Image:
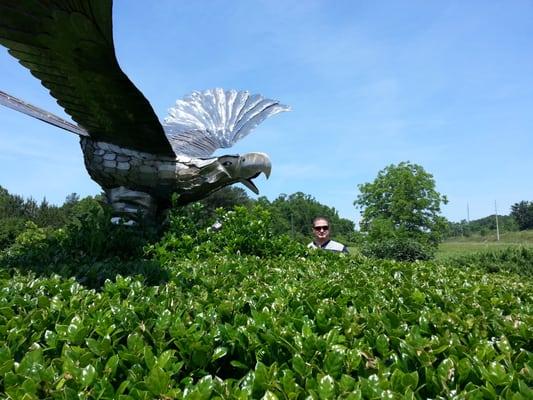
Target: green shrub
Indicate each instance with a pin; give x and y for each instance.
(34, 246)
(393, 243)
(237, 312)
(237, 328)
(517, 260)
(242, 231)
(89, 247)
(91, 234)
(400, 249)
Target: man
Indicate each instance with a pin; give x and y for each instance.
(321, 233)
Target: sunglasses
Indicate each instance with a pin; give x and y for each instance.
(321, 228)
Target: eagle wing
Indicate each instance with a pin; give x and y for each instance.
(205, 121)
(68, 46)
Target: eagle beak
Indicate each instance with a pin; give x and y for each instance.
(251, 166)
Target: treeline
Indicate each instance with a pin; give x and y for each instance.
(291, 214)
(16, 212)
(520, 218)
(483, 226)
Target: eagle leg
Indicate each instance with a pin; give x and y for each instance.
(130, 204)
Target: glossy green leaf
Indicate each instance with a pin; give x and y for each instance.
(269, 396)
(157, 381)
(135, 343)
(31, 365)
(164, 358)
(496, 374)
(94, 346)
(87, 375)
(382, 344)
(326, 387)
(334, 363)
(149, 357)
(219, 352)
(202, 390)
(111, 365)
(238, 364)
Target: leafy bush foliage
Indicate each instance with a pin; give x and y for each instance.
(89, 234)
(243, 327)
(241, 231)
(15, 211)
(399, 248)
(93, 249)
(89, 247)
(512, 259)
(241, 312)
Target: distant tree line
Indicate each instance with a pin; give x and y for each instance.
(520, 218)
(16, 212)
(291, 214)
(483, 226)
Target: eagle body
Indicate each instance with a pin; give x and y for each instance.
(139, 161)
(129, 175)
(113, 166)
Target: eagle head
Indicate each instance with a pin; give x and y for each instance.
(227, 170)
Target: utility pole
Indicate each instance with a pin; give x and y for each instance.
(467, 218)
(497, 227)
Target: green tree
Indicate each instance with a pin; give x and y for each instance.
(11, 205)
(400, 213)
(294, 213)
(523, 214)
(12, 217)
(15, 211)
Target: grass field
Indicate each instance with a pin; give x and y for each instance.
(476, 243)
(458, 246)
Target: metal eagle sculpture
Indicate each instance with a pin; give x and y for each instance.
(138, 161)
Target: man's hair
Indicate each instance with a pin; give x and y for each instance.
(320, 218)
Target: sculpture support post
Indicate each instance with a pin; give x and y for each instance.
(129, 203)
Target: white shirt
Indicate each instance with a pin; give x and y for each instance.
(329, 245)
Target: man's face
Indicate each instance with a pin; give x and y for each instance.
(321, 230)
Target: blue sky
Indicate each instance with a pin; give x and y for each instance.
(447, 85)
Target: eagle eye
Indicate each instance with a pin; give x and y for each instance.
(226, 163)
